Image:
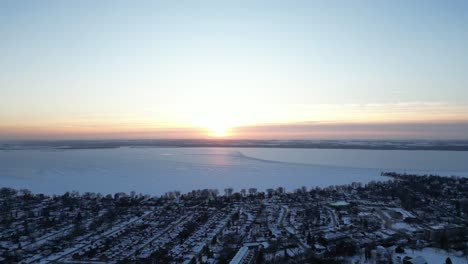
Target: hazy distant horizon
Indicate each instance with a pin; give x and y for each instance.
(451, 130)
(410, 145)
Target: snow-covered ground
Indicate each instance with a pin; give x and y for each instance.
(432, 255)
(403, 212)
(158, 170)
(403, 226)
(340, 203)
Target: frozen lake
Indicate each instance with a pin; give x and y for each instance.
(158, 170)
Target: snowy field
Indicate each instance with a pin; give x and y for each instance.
(158, 170)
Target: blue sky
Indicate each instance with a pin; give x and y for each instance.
(89, 67)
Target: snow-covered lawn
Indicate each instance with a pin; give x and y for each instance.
(340, 203)
(405, 213)
(433, 255)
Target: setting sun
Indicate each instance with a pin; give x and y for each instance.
(217, 125)
(219, 130)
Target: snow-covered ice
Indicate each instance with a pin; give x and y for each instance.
(158, 170)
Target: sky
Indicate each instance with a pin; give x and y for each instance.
(234, 69)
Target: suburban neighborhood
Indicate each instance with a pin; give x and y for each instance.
(407, 219)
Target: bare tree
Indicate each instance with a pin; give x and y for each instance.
(243, 191)
(228, 191)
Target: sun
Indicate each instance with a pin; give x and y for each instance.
(219, 130)
(216, 126)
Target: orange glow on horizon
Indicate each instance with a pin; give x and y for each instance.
(221, 129)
